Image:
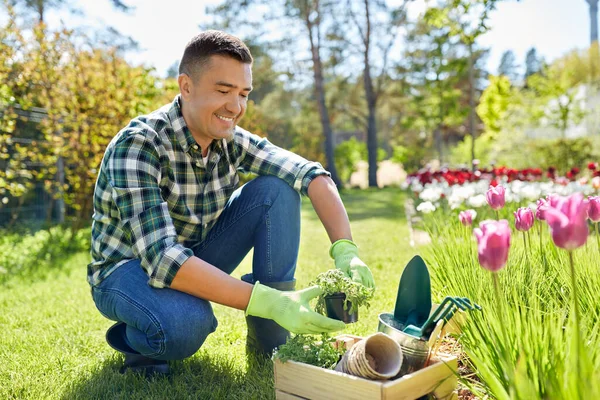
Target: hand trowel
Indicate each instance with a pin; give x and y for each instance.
(413, 302)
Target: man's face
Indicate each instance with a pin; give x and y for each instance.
(216, 100)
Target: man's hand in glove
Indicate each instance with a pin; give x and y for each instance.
(291, 309)
(345, 254)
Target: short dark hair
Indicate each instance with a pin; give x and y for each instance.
(209, 43)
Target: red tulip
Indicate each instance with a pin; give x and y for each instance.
(466, 217)
(567, 218)
(495, 197)
(493, 240)
(594, 208)
(524, 219)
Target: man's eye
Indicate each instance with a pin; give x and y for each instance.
(222, 91)
(244, 96)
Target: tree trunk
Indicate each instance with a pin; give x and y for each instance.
(437, 136)
(371, 105)
(593, 20)
(320, 97)
(40, 11)
(472, 104)
(593, 41)
(60, 202)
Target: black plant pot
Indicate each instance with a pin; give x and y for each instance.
(334, 304)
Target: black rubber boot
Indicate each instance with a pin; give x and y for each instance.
(264, 335)
(134, 361)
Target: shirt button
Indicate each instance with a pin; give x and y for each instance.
(195, 147)
(197, 163)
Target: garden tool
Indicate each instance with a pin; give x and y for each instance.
(413, 302)
(436, 334)
(445, 311)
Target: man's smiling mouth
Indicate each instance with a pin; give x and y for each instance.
(225, 118)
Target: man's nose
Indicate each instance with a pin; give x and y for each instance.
(234, 105)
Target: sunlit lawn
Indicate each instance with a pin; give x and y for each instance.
(52, 340)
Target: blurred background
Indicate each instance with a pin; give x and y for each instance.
(373, 89)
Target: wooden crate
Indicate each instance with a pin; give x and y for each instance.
(294, 380)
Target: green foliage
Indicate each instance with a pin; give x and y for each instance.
(563, 154)
(347, 155)
(23, 253)
(433, 70)
(494, 103)
(466, 18)
(335, 281)
(89, 94)
(308, 349)
(554, 97)
(461, 153)
(410, 158)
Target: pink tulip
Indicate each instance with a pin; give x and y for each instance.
(594, 208)
(567, 218)
(542, 204)
(495, 197)
(466, 217)
(524, 219)
(552, 199)
(493, 239)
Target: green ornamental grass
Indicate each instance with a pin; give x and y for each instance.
(528, 342)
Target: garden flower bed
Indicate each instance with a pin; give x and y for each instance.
(537, 241)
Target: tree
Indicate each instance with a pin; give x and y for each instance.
(40, 7)
(468, 19)
(508, 66)
(593, 4)
(310, 17)
(533, 64)
(376, 28)
(88, 96)
(173, 71)
(433, 70)
(555, 98)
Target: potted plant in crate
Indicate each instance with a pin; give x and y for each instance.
(321, 352)
(341, 296)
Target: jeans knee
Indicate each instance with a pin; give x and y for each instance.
(280, 190)
(184, 337)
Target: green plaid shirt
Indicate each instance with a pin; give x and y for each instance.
(155, 198)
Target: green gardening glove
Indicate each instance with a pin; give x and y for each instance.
(291, 309)
(345, 254)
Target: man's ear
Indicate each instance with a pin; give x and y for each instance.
(185, 85)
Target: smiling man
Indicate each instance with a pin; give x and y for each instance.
(170, 222)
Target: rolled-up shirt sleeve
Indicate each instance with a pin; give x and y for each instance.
(261, 157)
(134, 174)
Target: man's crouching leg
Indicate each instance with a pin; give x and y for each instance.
(154, 325)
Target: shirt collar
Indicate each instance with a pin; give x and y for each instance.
(182, 133)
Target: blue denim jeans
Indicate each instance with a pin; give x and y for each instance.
(166, 324)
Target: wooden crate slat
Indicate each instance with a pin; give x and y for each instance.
(439, 378)
(279, 395)
(293, 377)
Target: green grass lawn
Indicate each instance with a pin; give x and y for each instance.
(52, 342)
